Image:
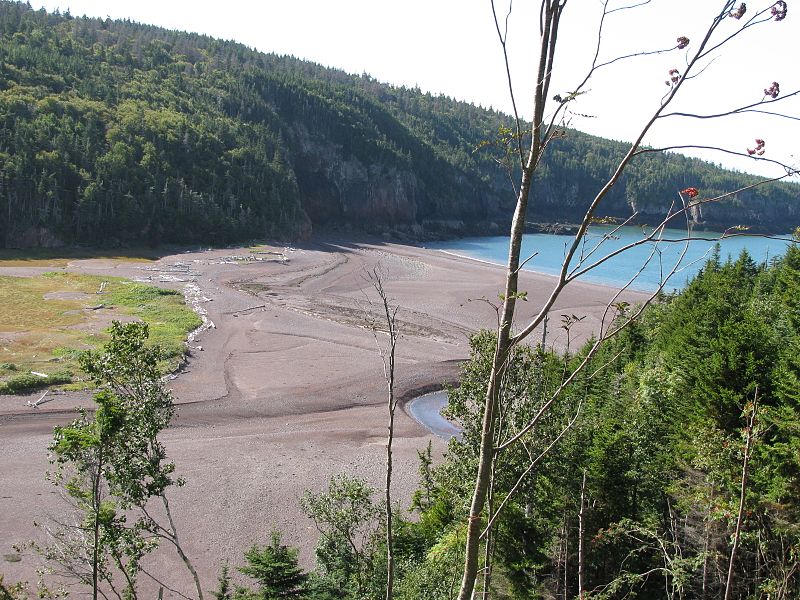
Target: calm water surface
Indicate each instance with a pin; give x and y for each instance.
(550, 250)
(427, 410)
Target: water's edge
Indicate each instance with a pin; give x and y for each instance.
(643, 267)
(427, 411)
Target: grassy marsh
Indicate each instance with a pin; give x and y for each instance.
(45, 321)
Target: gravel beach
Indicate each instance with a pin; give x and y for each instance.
(282, 389)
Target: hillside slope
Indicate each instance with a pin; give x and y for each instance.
(120, 133)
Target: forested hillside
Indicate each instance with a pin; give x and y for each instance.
(119, 133)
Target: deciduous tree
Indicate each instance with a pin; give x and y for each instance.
(112, 466)
(524, 147)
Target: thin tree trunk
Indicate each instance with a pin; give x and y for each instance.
(179, 549)
(130, 594)
(499, 365)
(392, 405)
(551, 15)
(96, 526)
(389, 540)
(707, 535)
(489, 549)
(566, 557)
(388, 357)
(581, 549)
(740, 516)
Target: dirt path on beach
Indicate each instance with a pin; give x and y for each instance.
(283, 389)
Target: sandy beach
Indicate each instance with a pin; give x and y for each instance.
(285, 390)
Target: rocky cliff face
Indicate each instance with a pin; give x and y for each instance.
(344, 191)
(336, 189)
(337, 192)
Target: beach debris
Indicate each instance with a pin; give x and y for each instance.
(43, 375)
(41, 400)
(254, 256)
(179, 272)
(195, 298)
(236, 313)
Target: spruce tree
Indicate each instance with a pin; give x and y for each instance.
(275, 569)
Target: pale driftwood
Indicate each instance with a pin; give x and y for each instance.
(41, 400)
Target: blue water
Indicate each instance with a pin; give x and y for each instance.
(618, 271)
(427, 410)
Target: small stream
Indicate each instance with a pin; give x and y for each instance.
(427, 411)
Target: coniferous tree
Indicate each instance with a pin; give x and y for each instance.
(275, 569)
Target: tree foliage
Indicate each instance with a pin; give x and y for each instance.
(661, 437)
(275, 568)
(115, 132)
(112, 465)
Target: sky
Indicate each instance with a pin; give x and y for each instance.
(451, 47)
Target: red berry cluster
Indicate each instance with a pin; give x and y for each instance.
(773, 90)
(683, 41)
(779, 10)
(691, 192)
(674, 77)
(739, 12)
(759, 149)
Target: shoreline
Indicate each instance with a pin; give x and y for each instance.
(286, 391)
(637, 267)
(603, 284)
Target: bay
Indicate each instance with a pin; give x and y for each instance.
(548, 251)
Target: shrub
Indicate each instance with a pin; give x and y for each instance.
(28, 382)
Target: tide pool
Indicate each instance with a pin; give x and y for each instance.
(427, 410)
(548, 252)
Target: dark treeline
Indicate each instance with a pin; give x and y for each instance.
(115, 132)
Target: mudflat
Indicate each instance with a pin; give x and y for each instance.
(284, 387)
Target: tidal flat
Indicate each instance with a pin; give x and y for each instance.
(283, 388)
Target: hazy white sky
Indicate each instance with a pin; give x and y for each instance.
(451, 47)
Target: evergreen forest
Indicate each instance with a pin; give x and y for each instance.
(117, 133)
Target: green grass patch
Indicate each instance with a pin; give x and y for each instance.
(264, 249)
(163, 310)
(46, 321)
(28, 382)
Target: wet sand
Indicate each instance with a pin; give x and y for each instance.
(285, 390)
